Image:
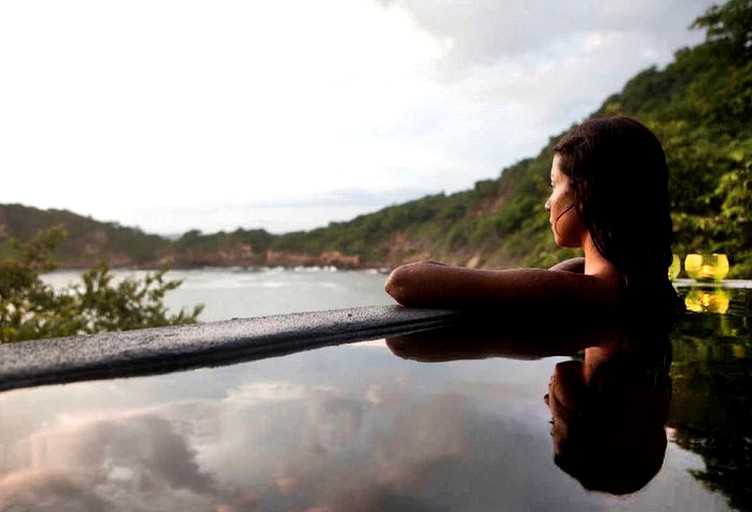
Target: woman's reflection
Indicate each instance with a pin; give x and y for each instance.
(608, 416)
(609, 404)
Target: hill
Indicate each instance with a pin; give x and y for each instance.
(88, 240)
(700, 106)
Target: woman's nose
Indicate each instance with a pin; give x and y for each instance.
(547, 206)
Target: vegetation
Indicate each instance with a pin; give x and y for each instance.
(701, 108)
(87, 241)
(32, 309)
(700, 105)
(711, 406)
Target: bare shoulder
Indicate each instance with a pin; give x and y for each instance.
(571, 265)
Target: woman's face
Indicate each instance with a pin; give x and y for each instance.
(564, 399)
(568, 228)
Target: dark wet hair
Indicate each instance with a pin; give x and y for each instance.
(617, 440)
(618, 171)
(602, 465)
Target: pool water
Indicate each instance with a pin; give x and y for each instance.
(375, 426)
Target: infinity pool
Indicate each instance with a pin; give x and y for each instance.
(358, 427)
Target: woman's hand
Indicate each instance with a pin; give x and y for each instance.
(408, 283)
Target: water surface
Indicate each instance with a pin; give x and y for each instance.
(355, 427)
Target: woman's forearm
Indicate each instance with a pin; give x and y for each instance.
(431, 285)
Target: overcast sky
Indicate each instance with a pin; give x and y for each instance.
(178, 114)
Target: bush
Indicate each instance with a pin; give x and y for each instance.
(32, 309)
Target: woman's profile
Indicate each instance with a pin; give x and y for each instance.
(609, 197)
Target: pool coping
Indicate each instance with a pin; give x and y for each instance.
(167, 349)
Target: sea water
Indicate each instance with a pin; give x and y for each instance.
(229, 293)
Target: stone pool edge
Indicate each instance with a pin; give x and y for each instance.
(167, 349)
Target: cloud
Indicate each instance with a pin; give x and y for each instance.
(123, 109)
(50, 491)
(134, 462)
(146, 444)
(321, 448)
(486, 32)
(521, 71)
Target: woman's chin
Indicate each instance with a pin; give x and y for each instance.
(565, 244)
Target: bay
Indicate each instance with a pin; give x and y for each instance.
(246, 293)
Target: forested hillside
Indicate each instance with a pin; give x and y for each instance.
(87, 241)
(700, 106)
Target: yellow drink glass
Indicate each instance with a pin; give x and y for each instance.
(706, 267)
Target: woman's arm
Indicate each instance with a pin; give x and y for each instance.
(432, 285)
(571, 265)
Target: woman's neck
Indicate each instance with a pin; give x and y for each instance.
(598, 266)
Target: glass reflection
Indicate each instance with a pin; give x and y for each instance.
(707, 300)
(707, 267)
(609, 405)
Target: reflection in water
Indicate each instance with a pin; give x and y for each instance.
(608, 409)
(354, 428)
(608, 420)
(264, 446)
(707, 300)
(134, 461)
(711, 410)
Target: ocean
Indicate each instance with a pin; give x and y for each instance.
(245, 293)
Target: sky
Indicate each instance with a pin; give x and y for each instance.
(170, 115)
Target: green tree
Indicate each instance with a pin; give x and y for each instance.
(729, 24)
(32, 309)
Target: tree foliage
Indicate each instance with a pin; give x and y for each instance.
(32, 309)
(729, 24)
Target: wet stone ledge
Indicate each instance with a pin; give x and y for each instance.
(168, 349)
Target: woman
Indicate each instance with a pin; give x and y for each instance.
(609, 197)
(608, 419)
